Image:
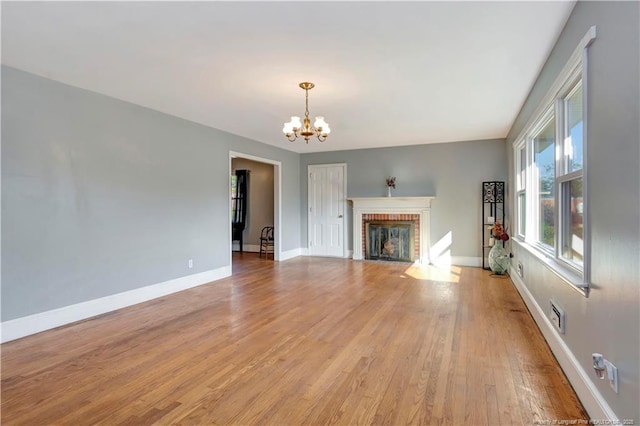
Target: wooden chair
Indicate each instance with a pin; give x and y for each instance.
(266, 241)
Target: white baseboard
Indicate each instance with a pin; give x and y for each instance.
(444, 261)
(591, 398)
(466, 261)
(250, 248)
(25, 326)
(290, 254)
(305, 252)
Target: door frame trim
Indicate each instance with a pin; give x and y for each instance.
(345, 222)
(277, 200)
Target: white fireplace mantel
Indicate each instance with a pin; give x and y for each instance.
(392, 205)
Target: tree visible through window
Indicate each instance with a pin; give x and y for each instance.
(544, 163)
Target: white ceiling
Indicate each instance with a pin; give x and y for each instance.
(386, 73)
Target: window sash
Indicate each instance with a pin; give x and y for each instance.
(521, 164)
(543, 143)
(521, 211)
(568, 140)
(571, 233)
(520, 161)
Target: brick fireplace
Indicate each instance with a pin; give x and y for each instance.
(414, 210)
(401, 232)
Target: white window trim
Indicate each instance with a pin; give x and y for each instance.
(518, 145)
(575, 68)
(562, 175)
(533, 182)
(520, 150)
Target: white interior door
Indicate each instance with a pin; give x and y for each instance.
(327, 198)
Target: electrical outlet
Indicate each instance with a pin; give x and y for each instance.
(605, 370)
(556, 315)
(190, 263)
(520, 270)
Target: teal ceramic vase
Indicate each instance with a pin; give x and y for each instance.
(498, 259)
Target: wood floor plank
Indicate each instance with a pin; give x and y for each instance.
(306, 341)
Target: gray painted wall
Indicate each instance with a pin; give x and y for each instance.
(608, 321)
(100, 196)
(452, 172)
(260, 211)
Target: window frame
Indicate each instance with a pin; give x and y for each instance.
(534, 237)
(563, 175)
(521, 161)
(554, 107)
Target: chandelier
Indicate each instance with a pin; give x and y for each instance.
(295, 128)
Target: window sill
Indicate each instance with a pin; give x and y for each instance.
(562, 271)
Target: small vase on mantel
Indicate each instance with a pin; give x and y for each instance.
(391, 183)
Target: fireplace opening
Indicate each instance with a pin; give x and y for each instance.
(390, 240)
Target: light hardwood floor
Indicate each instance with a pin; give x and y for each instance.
(306, 341)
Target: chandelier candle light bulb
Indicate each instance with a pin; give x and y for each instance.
(295, 128)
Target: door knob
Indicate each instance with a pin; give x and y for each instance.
(339, 215)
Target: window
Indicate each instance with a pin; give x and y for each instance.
(544, 164)
(570, 176)
(550, 161)
(521, 190)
